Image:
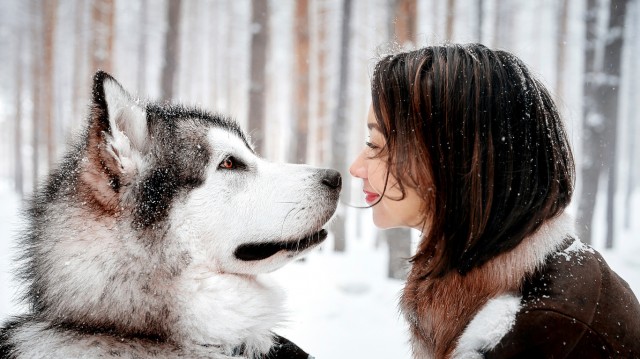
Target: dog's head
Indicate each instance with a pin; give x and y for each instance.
(190, 180)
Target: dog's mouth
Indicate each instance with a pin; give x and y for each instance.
(260, 251)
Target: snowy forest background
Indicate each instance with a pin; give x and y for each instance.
(295, 74)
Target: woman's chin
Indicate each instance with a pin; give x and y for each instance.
(385, 223)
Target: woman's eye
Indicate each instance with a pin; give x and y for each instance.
(370, 145)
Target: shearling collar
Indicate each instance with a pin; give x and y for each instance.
(496, 318)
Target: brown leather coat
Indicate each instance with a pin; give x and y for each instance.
(574, 307)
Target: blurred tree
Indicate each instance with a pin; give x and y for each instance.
(171, 49)
(404, 21)
(322, 75)
(480, 23)
(102, 16)
(257, 85)
(48, 34)
(339, 127)
(451, 17)
(80, 79)
(503, 29)
(301, 82)
(592, 124)
(142, 46)
(399, 239)
(36, 71)
(563, 19)
(633, 173)
(601, 92)
(17, 134)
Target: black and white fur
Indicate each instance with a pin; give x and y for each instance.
(150, 238)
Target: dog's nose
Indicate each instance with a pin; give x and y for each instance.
(332, 179)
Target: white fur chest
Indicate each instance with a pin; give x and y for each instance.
(227, 310)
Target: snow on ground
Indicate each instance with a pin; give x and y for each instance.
(340, 305)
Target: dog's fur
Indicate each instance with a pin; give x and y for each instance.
(149, 238)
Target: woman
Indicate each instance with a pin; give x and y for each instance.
(468, 147)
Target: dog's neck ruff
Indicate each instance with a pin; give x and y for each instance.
(235, 352)
(448, 316)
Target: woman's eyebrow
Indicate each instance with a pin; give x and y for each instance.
(373, 126)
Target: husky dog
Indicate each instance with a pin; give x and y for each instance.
(150, 238)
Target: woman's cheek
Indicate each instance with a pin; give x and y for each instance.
(377, 177)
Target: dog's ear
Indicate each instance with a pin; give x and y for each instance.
(118, 127)
(116, 143)
(117, 112)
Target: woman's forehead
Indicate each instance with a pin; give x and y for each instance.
(372, 124)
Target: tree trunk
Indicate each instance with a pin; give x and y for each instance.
(563, 19)
(79, 74)
(503, 23)
(592, 127)
(102, 16)
(301, 81)
(405, 22)
(18, 176)
(601, 90)
(340, 127)
(322, 49)
(257, 83)
(610, 93)
(451, 16)
(436, 16)
(49, 30)
(192, 51)
(171, 50)
(36, 70)
(399, 239)
(633, 177)
(399, 245)
(142, 47)
(480, 20)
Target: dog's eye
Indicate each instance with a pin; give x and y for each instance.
(228, 163)
(232, 163)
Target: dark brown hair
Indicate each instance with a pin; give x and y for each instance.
(481, 140)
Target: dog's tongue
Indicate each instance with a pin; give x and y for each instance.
(260, 251)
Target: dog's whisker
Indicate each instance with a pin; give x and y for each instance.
(285, 220)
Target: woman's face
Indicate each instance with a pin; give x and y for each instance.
(388, 211)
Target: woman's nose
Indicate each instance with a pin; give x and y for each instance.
(357, 168)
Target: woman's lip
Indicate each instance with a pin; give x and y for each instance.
(370, 196)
